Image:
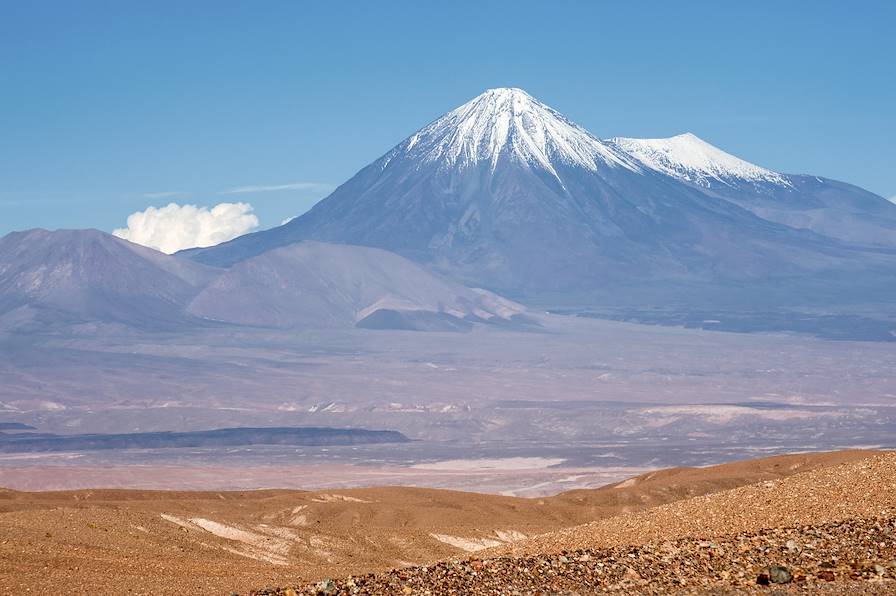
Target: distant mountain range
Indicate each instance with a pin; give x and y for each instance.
(506, 193)
(86, 276)
(835, 209)
(316, 284)
(502, 193)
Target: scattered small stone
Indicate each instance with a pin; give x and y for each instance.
(857, 550)
(826, 575)
(778, 574)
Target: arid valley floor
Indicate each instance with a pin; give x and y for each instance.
(520, 436)
(572, 403)
(828, 518)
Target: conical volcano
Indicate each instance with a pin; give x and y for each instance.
(506, 193)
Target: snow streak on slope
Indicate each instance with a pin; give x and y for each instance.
(688, 157)
(513, 123)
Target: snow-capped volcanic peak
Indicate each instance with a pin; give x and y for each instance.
(508, 122)
(688, 157)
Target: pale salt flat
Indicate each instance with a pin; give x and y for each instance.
(507, 463)
(723, 414)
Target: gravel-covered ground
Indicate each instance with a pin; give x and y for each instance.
(147, 542)
(830, 530)
(852, 490)
(856, 556)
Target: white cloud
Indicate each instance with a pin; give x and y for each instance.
(893, 199)
(176, 227)
(318, 186)
(287, 220)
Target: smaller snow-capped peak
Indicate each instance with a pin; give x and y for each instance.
(688, 157)
(511, 122)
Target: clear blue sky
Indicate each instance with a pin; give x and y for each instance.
(106, 106)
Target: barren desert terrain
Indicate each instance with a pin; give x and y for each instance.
(165, 542)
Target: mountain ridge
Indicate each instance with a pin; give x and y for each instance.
(315, 284)
(73, 277)
(506, 193)
(78, 275)
(835, 209)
